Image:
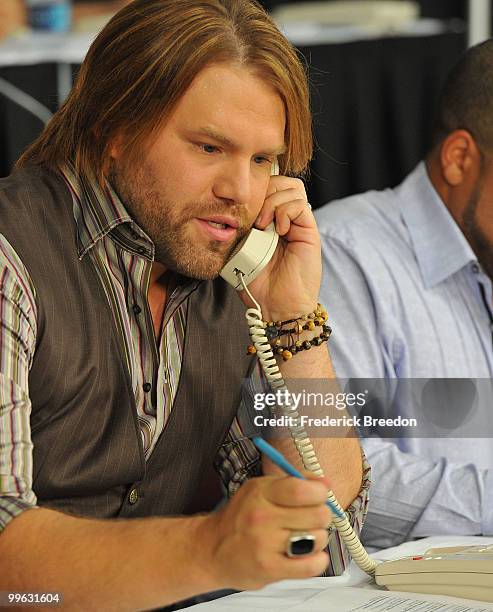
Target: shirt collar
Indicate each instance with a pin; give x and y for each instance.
(440, 246)
(98, 211)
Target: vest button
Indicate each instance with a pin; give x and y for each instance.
(133, 497)
(147, 387)
(137, 309)
(142, 250)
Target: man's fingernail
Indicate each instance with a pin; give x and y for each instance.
(258, 220)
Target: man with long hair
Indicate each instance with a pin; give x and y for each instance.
(122, 353)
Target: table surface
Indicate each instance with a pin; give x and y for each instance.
(294, 594)
(45, 48)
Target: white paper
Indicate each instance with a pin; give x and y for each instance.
(352, 599)
(342, 599)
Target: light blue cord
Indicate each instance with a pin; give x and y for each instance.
(280, 460)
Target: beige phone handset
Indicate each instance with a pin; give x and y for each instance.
(253, 254)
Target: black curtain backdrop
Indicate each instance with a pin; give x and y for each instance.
(373, 105)
(18, 128)
(439, 9)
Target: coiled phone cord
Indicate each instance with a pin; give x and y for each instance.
(300, 437)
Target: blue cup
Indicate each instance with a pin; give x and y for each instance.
(50, 16)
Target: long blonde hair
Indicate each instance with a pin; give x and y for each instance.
(143, 62)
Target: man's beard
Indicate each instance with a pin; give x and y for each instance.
(169, 227)
(473, 231)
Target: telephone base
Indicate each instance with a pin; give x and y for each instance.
(464, 571)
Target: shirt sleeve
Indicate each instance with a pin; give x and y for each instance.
(17, 344)
(355, 313)
(238, 460)
(417, 497)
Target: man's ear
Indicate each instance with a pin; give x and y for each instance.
(116, 146)
(459, 156)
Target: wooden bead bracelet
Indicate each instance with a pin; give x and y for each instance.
(274, 331)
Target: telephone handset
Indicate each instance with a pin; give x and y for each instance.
(253, 254)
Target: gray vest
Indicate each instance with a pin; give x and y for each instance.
(88, 454)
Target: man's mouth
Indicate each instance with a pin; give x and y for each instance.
(219, 225)
(222, 229)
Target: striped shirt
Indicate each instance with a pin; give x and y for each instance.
(122, 254)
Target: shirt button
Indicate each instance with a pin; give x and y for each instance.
(147, 387)
(475, 268)
(133, 497)
(137, 309)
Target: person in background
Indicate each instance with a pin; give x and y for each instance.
(407, 280)
(121, 351)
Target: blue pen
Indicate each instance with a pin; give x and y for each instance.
(280, 460)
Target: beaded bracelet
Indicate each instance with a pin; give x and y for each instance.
(297, 346)
(319, 314)
(297, 329)
(301, 345)
(274, 330)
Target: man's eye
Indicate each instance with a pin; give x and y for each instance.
(208, 148)
(262, 160)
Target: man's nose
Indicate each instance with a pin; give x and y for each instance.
(234, 183)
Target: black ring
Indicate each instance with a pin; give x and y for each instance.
(300, 545)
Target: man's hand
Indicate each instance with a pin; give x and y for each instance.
(290, 283)
(247, 539)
